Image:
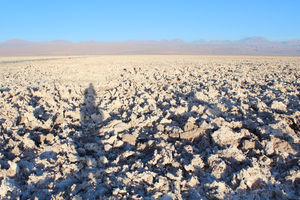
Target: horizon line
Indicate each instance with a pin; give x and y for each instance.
(156, 40)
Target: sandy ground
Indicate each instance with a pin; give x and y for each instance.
(149, 127)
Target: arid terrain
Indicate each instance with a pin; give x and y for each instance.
(150, 127)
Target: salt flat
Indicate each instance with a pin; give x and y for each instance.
(150, 127)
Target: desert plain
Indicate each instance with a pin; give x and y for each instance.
(150, 127)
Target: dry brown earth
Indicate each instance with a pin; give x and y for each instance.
(149, 127)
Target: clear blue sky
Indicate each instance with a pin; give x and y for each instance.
(120, 20)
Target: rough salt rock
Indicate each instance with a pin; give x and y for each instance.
(28, 143)
(220, 121)
(278, 105)
(193, 182)
(225, 136)
(236, 125)
(201, 96)
(72, 158)
(217, 190)
(233, 154)
(247, 144)
(283, 130)
(219, 168)
(47, 124)
(253, 177)
(214, 111)
(129, 138)
(193, 134)
(282, 147)
(6, 185)
(118, 143)
(30, 117)
(265, 160)
(200, 109)
(147, 177)
(120, 127)
(205, 125)
(31, 121)
(189, 149)
(173, 177)
(190, 124)
(16, 151)
(59, 119)
(166, 121)
(104, 114)
(119, 193)
(181, 110)
(75, 115)
(13, 169)
(196, 162)
(116, 104)
(194, 109)
(162, 184)
(111, 140)
(49, 138)
(107, 147)
(22, 120)
(160, 127)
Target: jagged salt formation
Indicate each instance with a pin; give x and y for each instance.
(171, 129)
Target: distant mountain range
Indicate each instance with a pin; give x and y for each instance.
(247, 46)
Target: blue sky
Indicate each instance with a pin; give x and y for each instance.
(121, 20)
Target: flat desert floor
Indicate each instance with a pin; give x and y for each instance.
(150, 127)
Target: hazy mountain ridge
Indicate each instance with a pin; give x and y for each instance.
(246, 46)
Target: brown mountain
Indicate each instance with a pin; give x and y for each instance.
(247, 46)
